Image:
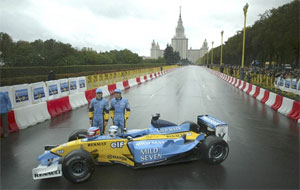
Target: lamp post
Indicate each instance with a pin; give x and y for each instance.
(221, 57)
(244, 36)
(212, 52)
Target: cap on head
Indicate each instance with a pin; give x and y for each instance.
(99, 90)
(117, 91)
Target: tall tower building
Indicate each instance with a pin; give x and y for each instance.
(180, 44)
(179, 41)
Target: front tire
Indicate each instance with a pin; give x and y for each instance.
(78, 166)
(78, 134)
(215, 149)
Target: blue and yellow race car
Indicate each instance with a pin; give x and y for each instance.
(162, 143)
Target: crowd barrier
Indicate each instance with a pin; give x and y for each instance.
(77, 100)
(37, 102)
(59, 106)
(12, 124)
(283, 105)
(31, 114)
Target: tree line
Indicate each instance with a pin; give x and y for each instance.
(55, 53)
(272, 38)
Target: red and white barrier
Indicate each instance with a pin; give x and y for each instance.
(278, 103)
(26, 114)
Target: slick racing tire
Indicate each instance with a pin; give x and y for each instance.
(78, 166)
(215, 150)
(193, 126)
(78, 134)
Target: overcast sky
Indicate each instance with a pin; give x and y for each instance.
(118, 24)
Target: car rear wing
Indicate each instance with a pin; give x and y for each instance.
(213, 126)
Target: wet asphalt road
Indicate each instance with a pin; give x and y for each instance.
(264, 146)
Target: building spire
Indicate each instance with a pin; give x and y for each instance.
(179, 11)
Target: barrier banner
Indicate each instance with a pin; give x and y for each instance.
(53, 89)
(73, 85)
(39, 92)
(82, 84)
(22, 95)
(9, 91)
(64, 87)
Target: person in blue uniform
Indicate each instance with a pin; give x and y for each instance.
(99, 111)
(5, 107)
(119, 110)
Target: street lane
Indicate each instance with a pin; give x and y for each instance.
(264, 146)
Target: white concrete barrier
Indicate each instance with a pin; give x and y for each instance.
(132, 82)
(271, 100)
(21, 95)
(77, 100)
(9, 91)
(53, 89)
(142, 79)
(253, 90)
(120, 85)
(286, 106)
(261, 94)
(31, 114)
(64, 87)
(148, 77)
(39, 92)
(246, 87)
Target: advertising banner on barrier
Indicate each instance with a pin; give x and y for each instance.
(39, 92)
(21, 95)
(53, 89)
(9, 91)
(73, 85)
(82, 84)
(64, 87)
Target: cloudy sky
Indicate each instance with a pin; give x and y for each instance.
(118, 24)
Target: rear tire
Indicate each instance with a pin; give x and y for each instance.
(78, 134)
(78, 166)
(215, 150)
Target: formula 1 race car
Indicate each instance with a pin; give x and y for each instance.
(160, 144)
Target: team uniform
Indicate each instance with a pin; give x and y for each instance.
(99, 112)
(119, 112)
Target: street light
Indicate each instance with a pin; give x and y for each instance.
(212, 52)
(221, 57)
(244, 37)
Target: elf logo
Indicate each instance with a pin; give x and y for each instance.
(119, 144)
